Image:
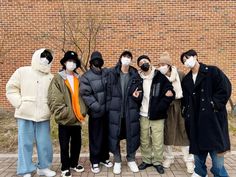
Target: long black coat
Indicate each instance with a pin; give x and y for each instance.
(132, 105)
(204, 110)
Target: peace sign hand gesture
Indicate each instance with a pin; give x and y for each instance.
(136, 92)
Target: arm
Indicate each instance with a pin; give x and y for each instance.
(13, 89)
(221, 90)
(167, 95)
(56, 101)
(87, 95)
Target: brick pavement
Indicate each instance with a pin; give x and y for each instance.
(8, 168)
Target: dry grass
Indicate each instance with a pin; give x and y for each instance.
(8, 134)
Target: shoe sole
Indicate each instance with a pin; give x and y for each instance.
(79, 171)
(66, 176)
(116, 173)
(41, 174)
(106, 165)
(95, 172)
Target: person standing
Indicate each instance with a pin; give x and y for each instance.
(157, 96)
(27, 91)
(174, 130)
(93, 92)
(69, 111)
(206, 90)
(124, 97)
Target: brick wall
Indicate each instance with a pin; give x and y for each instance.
(142, 26)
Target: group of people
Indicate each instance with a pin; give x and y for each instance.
(154, 108)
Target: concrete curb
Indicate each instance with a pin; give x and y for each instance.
(87, 155)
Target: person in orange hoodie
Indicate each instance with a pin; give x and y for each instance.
(69, 111)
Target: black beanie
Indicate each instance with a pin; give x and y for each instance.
(143, 57)
(96, 55)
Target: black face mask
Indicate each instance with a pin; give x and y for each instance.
(47, 54)
(145, 66)
(97, 63)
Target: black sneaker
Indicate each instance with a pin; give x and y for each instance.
(65, 173)
(107, 163)
(78, 168)
(159, 168)
(144, 165)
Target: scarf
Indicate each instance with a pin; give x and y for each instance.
(175, 80)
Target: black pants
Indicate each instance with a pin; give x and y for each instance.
(98, 139)
(117, 154)
(69, 136)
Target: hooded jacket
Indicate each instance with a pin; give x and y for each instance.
(27, 90)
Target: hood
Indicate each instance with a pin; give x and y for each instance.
(35, 63)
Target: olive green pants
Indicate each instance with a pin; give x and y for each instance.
(152, 140)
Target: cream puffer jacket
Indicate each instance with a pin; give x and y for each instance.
(27, 90)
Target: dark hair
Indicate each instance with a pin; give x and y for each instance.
(191, 53)
(126, 53)
(47, 54)
(170, 68)
(188, 54)
(182, 57)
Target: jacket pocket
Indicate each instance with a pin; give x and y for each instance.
(27, 108)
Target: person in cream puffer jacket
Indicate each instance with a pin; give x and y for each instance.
(27, 91)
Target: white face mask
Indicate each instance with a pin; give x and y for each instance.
(44, 61)
(125, 61)
(70, 65)
(163, 69)
(190, 62)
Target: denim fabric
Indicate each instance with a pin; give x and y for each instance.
(217, 169)
(28, 133)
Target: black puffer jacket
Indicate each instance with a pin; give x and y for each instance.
(93, 91)
(131, 109)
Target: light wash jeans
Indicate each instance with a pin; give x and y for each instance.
(28, 133)
(217, 169)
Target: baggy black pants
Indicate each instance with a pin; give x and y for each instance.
(98, 139)
(69, 136)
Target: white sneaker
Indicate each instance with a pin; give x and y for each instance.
(95, 168)
(107, 163)
(117, 168)
(79, 168)
(46, 172)
(66, 173)
(196, 175)
(190, 167)
(27, 175)
(133, 166)
(167, 163)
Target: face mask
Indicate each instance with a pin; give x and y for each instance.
(163, 69)
(97, 63)
(190, 62)
(44, 61)
(125, 61)
(145, 66)
(70, 65)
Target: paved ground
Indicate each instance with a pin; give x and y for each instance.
(8, 168)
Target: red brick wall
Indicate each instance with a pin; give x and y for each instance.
(142, 26)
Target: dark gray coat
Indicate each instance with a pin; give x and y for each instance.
(204, 110)
(131, 107)
(93, 91)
